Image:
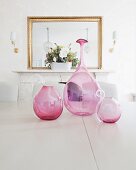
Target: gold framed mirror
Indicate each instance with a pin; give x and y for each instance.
(43, 32)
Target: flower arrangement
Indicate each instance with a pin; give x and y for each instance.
(61, 54)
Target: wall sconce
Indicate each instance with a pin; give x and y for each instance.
(13, 41)
(114, 38)
(47, 45)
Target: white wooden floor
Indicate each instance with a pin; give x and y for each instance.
(68, 143)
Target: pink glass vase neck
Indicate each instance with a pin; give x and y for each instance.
(81, 42)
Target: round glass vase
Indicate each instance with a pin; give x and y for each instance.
(47, 104)
(109, 110)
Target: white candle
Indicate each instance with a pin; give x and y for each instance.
(114, 35)
(13, 36)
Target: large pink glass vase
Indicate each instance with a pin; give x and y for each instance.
(80, 91)
(109, 110)
(47, 103)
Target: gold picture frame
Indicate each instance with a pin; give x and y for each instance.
(35, 19)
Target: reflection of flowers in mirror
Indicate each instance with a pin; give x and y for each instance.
(61, 54)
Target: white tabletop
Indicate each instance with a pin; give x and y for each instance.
(68, 143)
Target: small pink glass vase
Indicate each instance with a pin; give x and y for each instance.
(109, 110)
(80, 91)
(47, 103)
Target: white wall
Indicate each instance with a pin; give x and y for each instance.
(118, 15)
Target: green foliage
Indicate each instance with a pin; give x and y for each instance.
(71, 56)
(61, 55)
(75, 61)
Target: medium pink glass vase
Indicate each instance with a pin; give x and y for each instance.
(47, 103)
(109, 110)
(80, 91)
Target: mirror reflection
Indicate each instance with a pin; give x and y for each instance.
(45, 36)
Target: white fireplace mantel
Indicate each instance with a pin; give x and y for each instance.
(28, 78)
(99, 74)
(60, 71)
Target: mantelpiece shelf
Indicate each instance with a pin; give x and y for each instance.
(62, 71)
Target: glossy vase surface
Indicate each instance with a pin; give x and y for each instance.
(109, 110)
(47, 103)
(80, 91)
